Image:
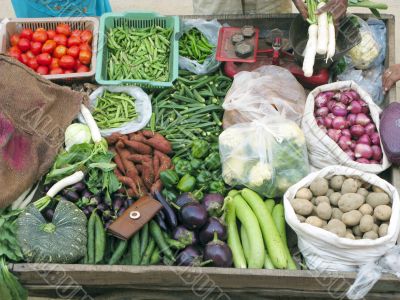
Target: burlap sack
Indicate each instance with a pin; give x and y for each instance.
(34, 114)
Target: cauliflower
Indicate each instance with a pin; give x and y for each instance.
(259, 173)
(231, 138)
(364, 54)
(233, 169)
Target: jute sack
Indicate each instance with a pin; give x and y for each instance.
(34, 114)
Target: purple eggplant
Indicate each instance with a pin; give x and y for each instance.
(129, 202)
(170, 215)
(184, 235)
(213, 204)
(48, 214)
(118, 203)
(101, 207)
(160, 221)
(86, 194)
(121, 211)
(71, 195)
(218, 252)
(185, 198)
(79, 187)
(207, 231)
(193, 215)
(86, 211)
(190, 256)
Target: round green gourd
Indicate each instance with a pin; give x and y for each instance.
(61, 241)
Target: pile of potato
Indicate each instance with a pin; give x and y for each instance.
(345, 206)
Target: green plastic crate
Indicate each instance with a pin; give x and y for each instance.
(137, 20)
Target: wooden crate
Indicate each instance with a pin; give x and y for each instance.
(164, 282)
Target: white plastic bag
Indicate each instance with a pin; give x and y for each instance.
(210, 30)
(322, 150)
(143, 108)
(266, 91)
(266, 155)
(324, 250)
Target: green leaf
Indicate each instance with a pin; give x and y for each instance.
(375, 12)
(106, 167)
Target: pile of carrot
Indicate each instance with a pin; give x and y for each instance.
(140, 158)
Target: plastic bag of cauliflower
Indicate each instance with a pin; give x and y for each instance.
(267, 155)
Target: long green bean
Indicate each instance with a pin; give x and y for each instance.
(194, 45)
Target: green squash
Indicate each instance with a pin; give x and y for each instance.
(61, 241)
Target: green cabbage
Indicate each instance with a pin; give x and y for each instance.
(77, 134)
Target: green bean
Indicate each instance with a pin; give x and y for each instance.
(159, 239)
(135, 249)
(100, 239)
(119, 252)
(155, 257)
(91, 238)
(149, 251)
(144, 238)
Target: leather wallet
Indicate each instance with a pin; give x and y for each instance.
(133, 219)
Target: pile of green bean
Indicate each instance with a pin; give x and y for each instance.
(114, 109)
(139, 53)
(191, 110)
(194, 45)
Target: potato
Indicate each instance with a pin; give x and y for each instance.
(302, 206)
(324, 211)
(315, 221)
(329, 192)
(375, 199)
(366, 185)
(351, 218)
(366, 223)
(350, 201)
(375, 228)
(337, 227)
(349, 235)
(336, 182)
(350, 185)
(358, 237)
(324, 223)
(357, 231)
(348, 230)
(372, 235)
(366, 209)
(363, 191)
(301, 218)
(383, 212)
(359, 182)
(376, 189)
(304, 193)
(336, 213)
(321, 199)
(334, 198)
(319, 187)
(383, 229)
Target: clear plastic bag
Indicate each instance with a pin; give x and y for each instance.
(143, 108)
(261, 93)
(266, 155)
(210, 30)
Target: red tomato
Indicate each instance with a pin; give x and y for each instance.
(63, 29)
(26, 33)
(51, 34)
(78, 64)
(85, 46)
(67, 62)
(14, 39)
(60, 39)
(30, 54)
(33, 64)
(42, 70)
(54, 63)
(85, 56)
(60, 51)
(24, 44)
(82, 69)
(74, 41)
(87, 36)
(40, 29)
(15, 52)
(55, 71)
(36, 48)
(73, 51)
(24, 58)
(39, 36)
(68, 71)
(49, 46)
(76, 32)
(44, 59)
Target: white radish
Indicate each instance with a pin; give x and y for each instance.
(20, 199)
(94, 129)
(310, 51)
(65, 182)
(332, 40)
(322, 44)
(29, 198)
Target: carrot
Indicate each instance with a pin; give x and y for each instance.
(165, 161)
(148, 133)
(130, 183)
(138, 158)
(156, 166)
(113, 139)
(156, 187)
(117, 172)
(158, 142)
(137, 136)
(148, 173)
(138, 147)
(140, 169)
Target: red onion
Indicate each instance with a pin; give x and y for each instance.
(355, 107)
(357, 130)
(377, 152)
(319, 120)
(331, 104)
(328, 122)
(365, 109)
(338, 123)
(374, 162)
(334, 134)
(345, 98)
(362, 119)
(323, 128)
(363, 151)
(375, 139)
(370, 128)
(322, 112)
(363, 161)
(321, 100)
(346, 132)
(353, 145)
(364, 139)
(350, 153)
(344, 142)
(339, 111)
(351, 118)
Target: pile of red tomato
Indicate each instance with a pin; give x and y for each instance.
(59, 51)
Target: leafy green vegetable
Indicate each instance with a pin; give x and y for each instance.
(77, 134)
(10, 288)
(373, 6)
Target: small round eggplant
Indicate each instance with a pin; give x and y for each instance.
(86, 211)
(193, 215)
(184, 235)
(219, 253)
(79, 187)
(71, 195)
(129, 202)
(190, 256)
(118, 203)
(48, 214)
(86, 194)
(101, 207)
(121, 211)
(207, 231)
(213, 204)
(185, 198)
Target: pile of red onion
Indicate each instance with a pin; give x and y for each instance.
(345, 117)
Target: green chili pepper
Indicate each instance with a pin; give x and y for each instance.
(195, 163)
(169, 178)
(217, 187)
(200, 148)
(169, 195)
(198, 194)
(212, 161)
(187, 183)
(203, 177)
(183, 167)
